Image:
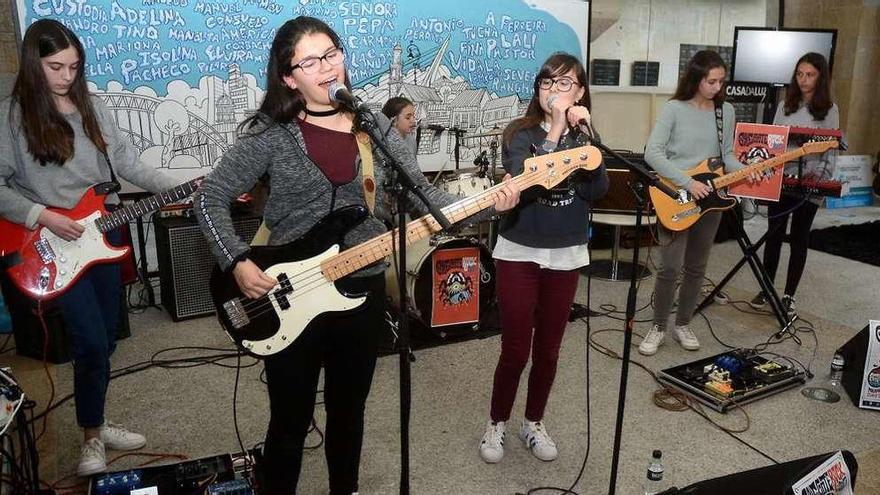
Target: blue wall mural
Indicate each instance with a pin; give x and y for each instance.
(181, 74)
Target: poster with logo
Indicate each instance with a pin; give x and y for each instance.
(830, 477)
(755, 143)
(870, 398)
(455, 289)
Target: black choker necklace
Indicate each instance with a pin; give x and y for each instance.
(323, 113)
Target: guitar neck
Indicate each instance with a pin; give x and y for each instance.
(743, 173)
(144, 206)
(382, 246)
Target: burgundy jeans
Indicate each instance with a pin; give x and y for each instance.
(534, 304)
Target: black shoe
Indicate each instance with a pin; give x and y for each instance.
(759, 302)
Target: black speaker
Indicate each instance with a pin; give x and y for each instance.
(855, 354)
(30, 338)
(185, 263)
(771, 480)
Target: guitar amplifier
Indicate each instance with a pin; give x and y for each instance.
(620, 197)
(185, 263)
(30, 337)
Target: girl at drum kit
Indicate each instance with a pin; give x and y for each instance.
(541, 246)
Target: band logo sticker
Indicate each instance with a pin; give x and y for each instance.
(455, 292)
(755, 143)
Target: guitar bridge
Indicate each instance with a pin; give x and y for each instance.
(44, 249)
(236, 313)
(687, 213)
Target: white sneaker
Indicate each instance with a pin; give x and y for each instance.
(788, 306)
(492, 445)
(686, 338)
(538, 441)
(92, 458)
(117, 437)
(652, 341)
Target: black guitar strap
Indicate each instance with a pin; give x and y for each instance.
(719, 124)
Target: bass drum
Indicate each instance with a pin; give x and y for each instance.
(419, 277)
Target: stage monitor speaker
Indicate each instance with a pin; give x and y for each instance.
(855, 354)
(185, 263)
(770, 480)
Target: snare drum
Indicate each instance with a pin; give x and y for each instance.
(466, 185)
(450, 287)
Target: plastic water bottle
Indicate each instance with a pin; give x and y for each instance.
(654, 479)
(837, 363)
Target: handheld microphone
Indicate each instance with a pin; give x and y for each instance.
(551, 100)
(434, 127)
(340, 94)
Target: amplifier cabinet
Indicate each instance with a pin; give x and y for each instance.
(185, 263)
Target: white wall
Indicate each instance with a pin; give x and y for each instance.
(654, 29)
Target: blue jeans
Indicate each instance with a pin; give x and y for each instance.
(90, 309)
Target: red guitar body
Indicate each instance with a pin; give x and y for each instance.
(42, 265)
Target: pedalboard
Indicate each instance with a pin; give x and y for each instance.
(732, 378)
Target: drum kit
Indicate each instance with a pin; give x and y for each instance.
(450, 276)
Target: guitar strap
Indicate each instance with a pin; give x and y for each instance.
(365, 147)
(116, 186)
(719, 124)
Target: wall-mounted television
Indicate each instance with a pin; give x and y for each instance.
(768, 55)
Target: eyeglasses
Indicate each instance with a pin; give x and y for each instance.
(563, 84)
(311, 65)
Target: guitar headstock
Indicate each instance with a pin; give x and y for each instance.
(820, 146)
(556, 166)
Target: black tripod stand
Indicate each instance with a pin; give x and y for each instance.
(644, 178)
(750, 256)
(401, 185)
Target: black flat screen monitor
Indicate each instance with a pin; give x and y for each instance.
(768, 55)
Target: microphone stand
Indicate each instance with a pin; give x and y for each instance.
(644, 178)
(402, 182)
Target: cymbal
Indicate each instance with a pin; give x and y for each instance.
(485, 134)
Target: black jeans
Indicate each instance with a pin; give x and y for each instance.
(346, 345)
(801, 221)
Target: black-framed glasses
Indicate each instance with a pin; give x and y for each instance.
(311, 65)
(563, 84)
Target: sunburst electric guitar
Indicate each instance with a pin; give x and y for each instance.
(306, 269)
(681, 212)
(43, 265)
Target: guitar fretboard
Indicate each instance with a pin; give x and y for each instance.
(379, 247)
(144, 206)
(741, 174)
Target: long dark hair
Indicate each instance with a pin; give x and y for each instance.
(697, 69)
(820, 103)
(49, 135)
(557, 64)
(394, 106)
(282, 104)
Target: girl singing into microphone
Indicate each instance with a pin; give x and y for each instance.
(541, 245)
(306, 144)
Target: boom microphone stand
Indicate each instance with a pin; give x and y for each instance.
(644, 178)
(402, 183)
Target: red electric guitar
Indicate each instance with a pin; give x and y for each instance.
(43, 265)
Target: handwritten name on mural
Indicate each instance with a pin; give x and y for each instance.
(147, 41)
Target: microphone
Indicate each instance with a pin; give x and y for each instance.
(551, 100)
(434, 127)
(480, 160)
(340, 94)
